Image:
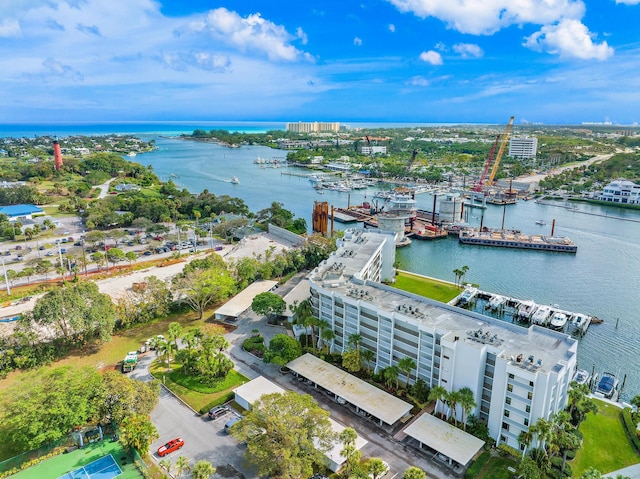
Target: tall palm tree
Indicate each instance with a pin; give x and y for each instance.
(354, 340)
(367, 356)
(203, 470)
(406, 365)
(327, 335)
(390, 376)
(453, 398)
(438, 394)
(467, 403)
(525, 439)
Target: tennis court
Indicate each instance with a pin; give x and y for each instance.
(103, 468)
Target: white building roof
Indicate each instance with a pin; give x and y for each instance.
(242, 301)
(361, 394)
(256, 388)
(299, 294)
(445, 438)
(334, 454)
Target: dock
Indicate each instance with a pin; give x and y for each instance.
(514, 310)
(515, 239)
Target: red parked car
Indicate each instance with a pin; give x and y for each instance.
(171, 446)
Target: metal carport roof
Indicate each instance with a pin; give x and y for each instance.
(444, 438)
(361, 394)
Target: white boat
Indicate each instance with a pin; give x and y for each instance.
(582, 376)
(495, 302)
(558, 320)
(235, 180)
(541, 222)
(132, 154)
(526, 309)
(579, 320)
(541, 316)
(467, 295)
(607, 386)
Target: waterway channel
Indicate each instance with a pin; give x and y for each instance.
(601, 279)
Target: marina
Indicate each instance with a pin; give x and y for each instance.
(525, 312)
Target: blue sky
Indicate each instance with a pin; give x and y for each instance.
(548, 61)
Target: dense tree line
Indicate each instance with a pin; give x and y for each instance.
(44, 406)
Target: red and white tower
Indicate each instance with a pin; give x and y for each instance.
(57, 155)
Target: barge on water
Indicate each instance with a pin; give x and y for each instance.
(509, 239)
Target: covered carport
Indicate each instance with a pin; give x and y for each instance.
(242, 301)
(250, 392)
(346, 388)
(453, 445)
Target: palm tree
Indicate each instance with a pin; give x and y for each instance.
(525, 439)
(438, 394)
(542, 431)
(367, 356)
(453, 398)
(376, 467)
(354, 340)
(203, 470)
(349, 451)
(131, 256)
(406, 365)
(166, 463)
(174, 333)
(414, 472)
(327, 335)
(467, 403)
(182, 465)
(390, 375)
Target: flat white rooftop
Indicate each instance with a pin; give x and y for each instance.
(361, 394)
(256, 388)
(242, 301)
(298, 294)
(445, 438)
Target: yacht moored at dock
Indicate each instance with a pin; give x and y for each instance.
(582, 376)
(607, 386)
(495, 302)
(541, 316)
(526, 309)
(558, 320)
(469, 293)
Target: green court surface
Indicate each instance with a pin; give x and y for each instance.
(63, 463)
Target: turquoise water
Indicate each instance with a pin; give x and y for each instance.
(602, 279)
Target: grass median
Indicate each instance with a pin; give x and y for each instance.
(428, 287)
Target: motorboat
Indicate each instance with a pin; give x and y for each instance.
(579, 320)
(526, 309)
(541, 316)
(607, 386)
(467, 295)
(541, 222)
(495, 302)
(582, 376)
(235, 180)
(558, 320)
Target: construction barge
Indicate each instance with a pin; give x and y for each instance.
(514, 239)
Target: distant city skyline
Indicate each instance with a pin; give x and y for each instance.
(413, 61)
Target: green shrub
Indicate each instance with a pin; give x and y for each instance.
(506, 450)
(630, 428)
(253, 344)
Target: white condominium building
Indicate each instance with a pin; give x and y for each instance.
(621, 191)
(517, 374)
(523, 147)
(313, 126)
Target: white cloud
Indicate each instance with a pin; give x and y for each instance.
(468, 50)
(432, 57)
(250, 33)
(302, 36)
(569, 39)
(392, 27)
(52, 67)
(357, 41)
(488, 16)
(9, 28)
(629, 2)
(418, 81)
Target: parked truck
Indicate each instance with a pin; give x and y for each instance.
(130, 361)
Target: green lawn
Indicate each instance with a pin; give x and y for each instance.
(427, 287)
(196, 395)
(491, 467)
(63, 463)
(614, 453)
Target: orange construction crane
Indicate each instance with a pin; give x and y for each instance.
(505, 138)
(491, 163)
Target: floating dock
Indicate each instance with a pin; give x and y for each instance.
(513, 239)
